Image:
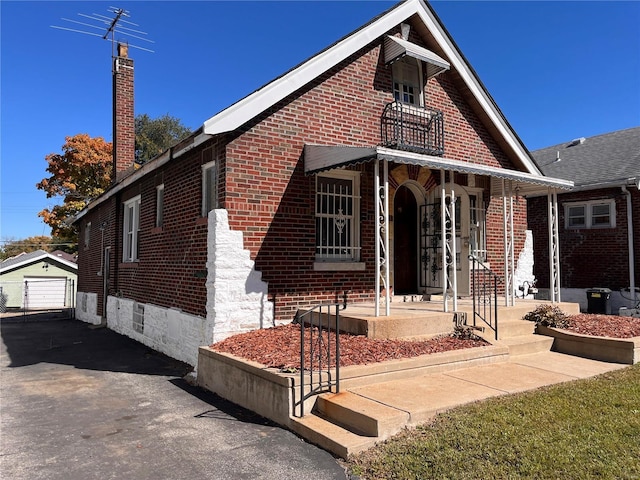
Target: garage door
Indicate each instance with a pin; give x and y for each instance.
(44, 292)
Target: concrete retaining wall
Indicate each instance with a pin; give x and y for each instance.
(274, 395)
(617, 350)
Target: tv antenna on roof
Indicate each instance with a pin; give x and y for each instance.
(110, 26)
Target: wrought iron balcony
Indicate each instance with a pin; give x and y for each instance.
(411, 128)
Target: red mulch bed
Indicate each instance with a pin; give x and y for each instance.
(604, 325)
(279, 347)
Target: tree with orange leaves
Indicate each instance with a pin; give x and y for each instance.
(79, 174)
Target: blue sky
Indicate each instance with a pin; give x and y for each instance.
(557, 70)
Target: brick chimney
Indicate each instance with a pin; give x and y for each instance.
(123, 116)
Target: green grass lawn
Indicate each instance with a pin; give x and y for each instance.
(578, 430)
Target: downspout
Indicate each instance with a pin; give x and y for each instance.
(632, 273)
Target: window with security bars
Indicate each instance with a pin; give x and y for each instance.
(477, 228)
(337, 213)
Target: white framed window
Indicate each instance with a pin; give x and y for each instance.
(477, 226)
(591, 214)
(337, 213)
(159, 205)
(209, 187)
(407, 84)
(87, 235)
(131, 230)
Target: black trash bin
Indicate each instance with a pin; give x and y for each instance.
(598, 300)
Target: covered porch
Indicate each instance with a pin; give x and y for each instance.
(451, 246)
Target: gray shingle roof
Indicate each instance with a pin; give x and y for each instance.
(22, 258)
(606, 158)
(25, 258)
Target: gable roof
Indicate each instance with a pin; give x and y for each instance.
(247, 108)
(428, 25)
(595, 162)
(24, 259)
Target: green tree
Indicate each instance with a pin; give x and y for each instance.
(13, 247)
(84, 169)
(154, 136)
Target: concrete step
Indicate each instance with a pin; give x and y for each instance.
(527, 344)
(398, 325)
(329, 436)
(361, 415)
(514, 328)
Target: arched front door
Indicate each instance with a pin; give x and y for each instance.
(405, 242)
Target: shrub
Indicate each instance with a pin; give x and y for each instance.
(465, 332)
(548, 316)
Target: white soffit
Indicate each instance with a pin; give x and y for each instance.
(395, 48)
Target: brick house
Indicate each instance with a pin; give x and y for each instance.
(360, 172)
(599, 218)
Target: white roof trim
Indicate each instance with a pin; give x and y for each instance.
(395, 48)
(476, 88)
(148, 167)
(241, 112)
(257, 102)
(30, 260)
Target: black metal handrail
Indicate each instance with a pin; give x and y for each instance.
(320, 322)
(484, 285)
(412, 128)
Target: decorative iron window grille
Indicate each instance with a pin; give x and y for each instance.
(337, 211)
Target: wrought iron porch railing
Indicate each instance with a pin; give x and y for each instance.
(484, 284)
(321, 360)
(411, 128)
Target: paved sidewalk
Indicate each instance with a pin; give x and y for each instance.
(80, 403)
(424, 396)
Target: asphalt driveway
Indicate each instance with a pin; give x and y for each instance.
(82, 403)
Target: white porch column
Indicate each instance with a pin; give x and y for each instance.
(381, 202)
(448, 234)
(507, 233)
(443, 240)
(453, 255)
(512, 247)
(554, 246)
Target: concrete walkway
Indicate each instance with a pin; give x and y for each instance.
(424, 396)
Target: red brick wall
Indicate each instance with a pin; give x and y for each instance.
(271, 200)
(268, 197)
(588, 257)
(123, 114)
